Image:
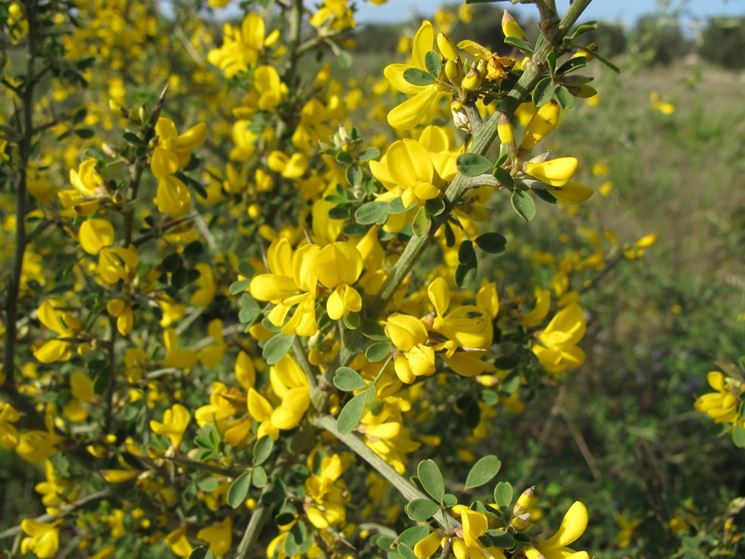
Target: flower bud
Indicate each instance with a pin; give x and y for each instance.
(504, 130)
(446, 46)
(472, 81)
(453, 71)
(510, 27)
(460, 117)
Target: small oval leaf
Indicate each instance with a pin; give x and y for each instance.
(347, 379)
(431, 479)
(238, 490)
(421, 509)
(351, 413)
(483, 471)
(473, 164)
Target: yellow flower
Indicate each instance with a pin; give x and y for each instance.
(544, 120)
(37, 446)
(468, 325)
(556, 547)
(291, 284)
(337, 266)
(8, 433)
(627, 527)
(415, 109)
(178, 542)
(95, 234)
(407, 169)
(88, 188)
(410, 336)
(175, 356)
(218, 535)
(42, 540)
(64, 324)
(555, 172)
(661, 106)
(291, 388)
(174, 424)
(325, 493)
(117, 263)
(122, 311)
(206, 288)
(722, 404)
(241, 46)
(267, 91)
(556, 346)
(172, 197)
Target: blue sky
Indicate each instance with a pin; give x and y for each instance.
(624, 11)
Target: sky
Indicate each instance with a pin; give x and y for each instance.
(623, 11)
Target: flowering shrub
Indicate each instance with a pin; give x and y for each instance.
(254, 309)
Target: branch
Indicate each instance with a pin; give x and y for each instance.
(259, 516)
(77, 505)
(404, 486)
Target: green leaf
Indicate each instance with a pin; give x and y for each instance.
(238, 490)
(431, 479)
(208, 484)
(405, 551)
(572, 64)
(421, 509)
(738, 436)
(543, 92)
(503, 494)
(519, 44)
(347, 379)
(435, 206)
(504, 178)
(201, 552)
(412, 535)
(354, 175)
(422, 223)
(262, 449)
(465, 275)
(351, 413)
(249, 309)
(372, 212)
(373, 330)
(483, 471)
(449, 500)
(259, 478)
(344, 59)
(378, 351)
(523, 204)
(551, 62)
(433, 64)
(369, 154)
(84, 133)
(565, 99)
(473, 164)
(277, 347)
(466, 254)
(415, 76)
(501, 538)
(492, 242)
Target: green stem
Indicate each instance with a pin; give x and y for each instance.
(404, 486)
(255, 524)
